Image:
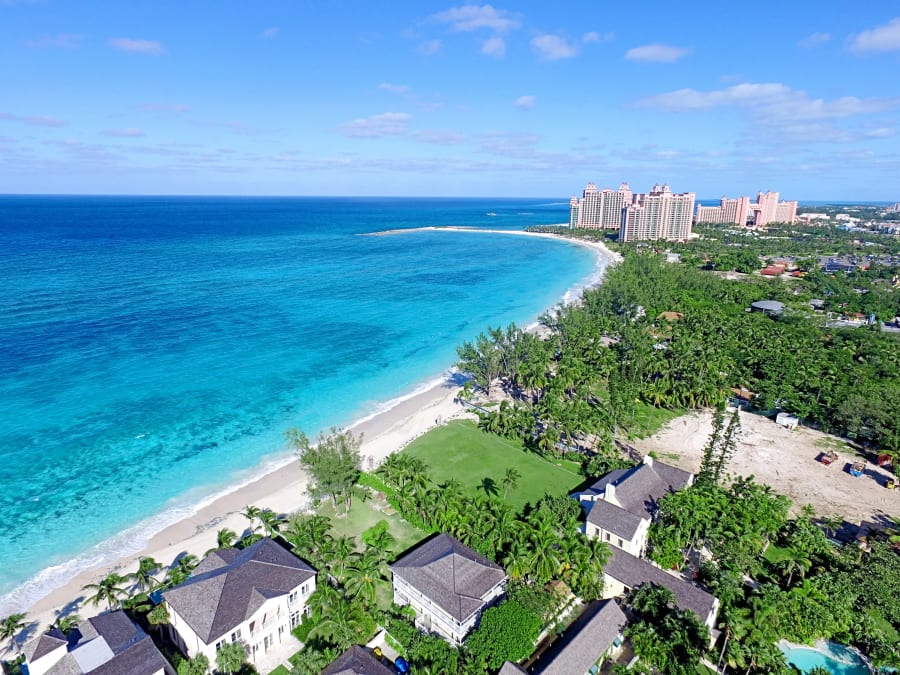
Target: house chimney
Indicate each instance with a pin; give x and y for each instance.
(648, 460)
(610, 494)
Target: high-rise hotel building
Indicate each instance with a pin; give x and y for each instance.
(766, 209)
(658, 214)
(728, 211)
(599, 209)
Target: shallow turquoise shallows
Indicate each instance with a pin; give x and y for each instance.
(838, 659)
(153, 350)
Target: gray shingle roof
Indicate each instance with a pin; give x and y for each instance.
(107, 644)
(585, 641)
(44, 644)
(356, 661)
(510, 668)
(225, 595)
(616, 520)
(632, 572)
(598, 487)
(451, 575)
(644, 485)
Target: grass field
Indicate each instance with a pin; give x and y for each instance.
(462, 451)
(364, 515)
(648, 420)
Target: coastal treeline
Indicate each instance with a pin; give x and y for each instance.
(669, 336)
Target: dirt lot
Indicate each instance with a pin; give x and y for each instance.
(785, 460)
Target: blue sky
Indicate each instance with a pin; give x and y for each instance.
(343, 97)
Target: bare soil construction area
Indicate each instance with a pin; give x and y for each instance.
(786, 461)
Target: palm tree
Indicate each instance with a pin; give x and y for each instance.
(66, 624)
(383, 542)
(341, 624)
(225, 538)
(108, 590)
(10, 627)
(269, 521)
(158, 616)
(143, 576)
(510, 480)
(231, 657)
(363, 576)
(795, 561)
(340, 556)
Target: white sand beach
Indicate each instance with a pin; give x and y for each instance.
(284, 489)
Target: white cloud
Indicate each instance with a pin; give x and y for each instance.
(430, 47)
(525, 102)
(774, 101)
(376, 126)
(58, 41)
(594, 36)
(270, 33)
(884, 38)
(130, 132)
(552, 47)
(880, 132)
(165, 107)
(494, 46)
(394, 88)
(137, 46)
(814, 40)
(439, 136)
(468, 18)
(656, 53)
(33, 120)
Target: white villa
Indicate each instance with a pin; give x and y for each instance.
(107, 644)
(621, 505)
(255, 596)
(448, 585)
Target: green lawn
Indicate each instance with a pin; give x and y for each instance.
(462, 451)
(647, 420)
(364, 515)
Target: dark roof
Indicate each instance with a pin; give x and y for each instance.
(129, 650)
(633, 572)
(234, 585)
(143, 658)
(616, 520)
(510, 668)
(585, 641)
(451, 575)
(44, 644)
(611, 477)
(356, 661)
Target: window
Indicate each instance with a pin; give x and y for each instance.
(305, 589)
(295, 619)
(620, 543)
(292, 598)
(607, 536)
(236, 635)
(219, 645)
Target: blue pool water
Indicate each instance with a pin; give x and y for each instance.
(153, 350)
(838, 659)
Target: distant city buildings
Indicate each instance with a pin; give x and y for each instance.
(661, 214)
(658, 214)
(766, 209)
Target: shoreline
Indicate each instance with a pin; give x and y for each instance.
(278, 484)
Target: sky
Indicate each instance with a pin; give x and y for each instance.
(422, 98)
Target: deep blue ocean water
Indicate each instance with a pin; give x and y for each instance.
(153, 350)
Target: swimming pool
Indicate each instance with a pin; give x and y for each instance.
(838, 659)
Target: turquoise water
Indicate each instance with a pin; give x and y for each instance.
(153, 350)
(838, 659)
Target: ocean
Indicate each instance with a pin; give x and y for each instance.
(153, 350)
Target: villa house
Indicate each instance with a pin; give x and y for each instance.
(621, 505)
(448, 585)
(624, 572)
(591, 638)
(108, 644)
(255, 596)
(357, 661)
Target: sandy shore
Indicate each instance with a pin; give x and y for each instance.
(284, 489)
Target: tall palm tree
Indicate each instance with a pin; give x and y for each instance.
(66, 623)
(225, 538)
(158, 616)
(10, 627)
(230, 657)
(510, 480)
(341, 625)
(363, 576)
(109, 590)
(143, 576)
(340, 555)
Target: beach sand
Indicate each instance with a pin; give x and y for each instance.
(284, 489)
